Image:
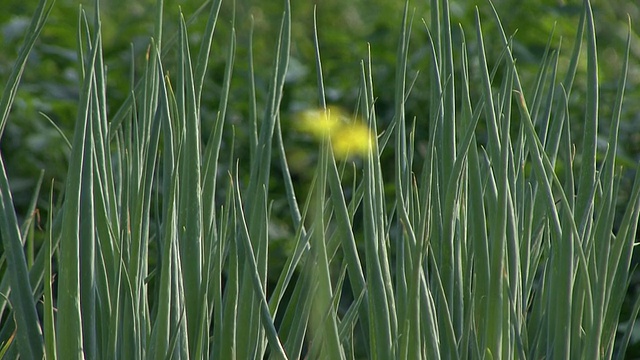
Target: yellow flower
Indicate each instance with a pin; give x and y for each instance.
(320, 123)
(348, 137)
(352, 139)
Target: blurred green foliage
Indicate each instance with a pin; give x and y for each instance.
(346, 31)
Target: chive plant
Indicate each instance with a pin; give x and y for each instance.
(475, 248)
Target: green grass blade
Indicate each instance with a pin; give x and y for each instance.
(261, 159)
(88, 244)
(69, 308)
(251, 341)
(267, 320)
(344, 223)
(162, 323)
(212, 242)
(404, 262)
(226, 313)
(587, 181)
(205, 48)
(447, 148)
(301, 238)
(378, 285)
(629, 330)
(295, 322)
(29, 333)
(618, 271)
(38, 21)
(49, 323)
(190, 200)
(212, 150)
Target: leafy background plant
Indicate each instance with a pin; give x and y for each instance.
(52, 85)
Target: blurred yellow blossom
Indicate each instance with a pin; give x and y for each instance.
(319, 123)
(348, 136)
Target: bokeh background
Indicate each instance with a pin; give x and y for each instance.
(348, 30)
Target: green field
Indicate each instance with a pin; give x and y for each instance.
(360, 179)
